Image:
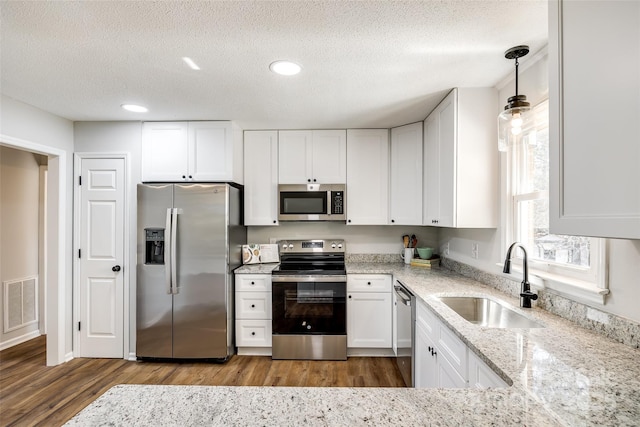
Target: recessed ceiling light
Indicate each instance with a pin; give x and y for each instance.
(285, 68)
(190, 63)
(135, 108)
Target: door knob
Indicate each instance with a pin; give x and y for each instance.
(115, 268)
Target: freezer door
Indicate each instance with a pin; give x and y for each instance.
(200, 304)
(153, 300)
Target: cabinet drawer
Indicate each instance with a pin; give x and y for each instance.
(368, 283)
(452, 347)
(253, 282)
(253, 333)
(426, 320)
(253, 305)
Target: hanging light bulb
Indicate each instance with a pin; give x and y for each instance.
(514, 118)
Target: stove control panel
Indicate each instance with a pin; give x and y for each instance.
(312, 246)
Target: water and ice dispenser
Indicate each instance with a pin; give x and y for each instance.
(154, 246)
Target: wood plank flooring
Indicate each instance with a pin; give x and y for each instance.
(34, 394)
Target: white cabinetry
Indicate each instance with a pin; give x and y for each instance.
(461, 161)
(594, 110)
(406, 175)
(191, 151)
(312, 156)
(443, 360)
(367, 176)
(253, 314)
(369, 311)
(261, 177)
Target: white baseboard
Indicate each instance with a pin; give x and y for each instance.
(132, 357)
(254, 351)
(370, 352)
(19, 340)
(68, 356)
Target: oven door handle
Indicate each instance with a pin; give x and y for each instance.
(320, 278)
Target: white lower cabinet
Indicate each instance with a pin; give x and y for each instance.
(253, 314)
(369, 311)
(442, 360)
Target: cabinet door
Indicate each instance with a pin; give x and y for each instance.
(406, 175)
(440, 162)
(594, 187)
(367, 176)
(261, 177)
(481, 375)
(424, 362)
(329, 157)
(294, 156)
(210, 151)
(447, 376)
(432, 170)
(164, 152)
(369, 320)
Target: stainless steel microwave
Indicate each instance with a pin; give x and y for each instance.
(311, 202)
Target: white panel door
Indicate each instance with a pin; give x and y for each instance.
(369, 321)
(101, 254)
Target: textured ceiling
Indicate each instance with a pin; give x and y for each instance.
(365, 63)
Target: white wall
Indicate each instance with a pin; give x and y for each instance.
(624, 255)
(360, 239)
(19, 223)
(118, 137)
(23, 125)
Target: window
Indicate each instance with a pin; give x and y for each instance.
(570, 265)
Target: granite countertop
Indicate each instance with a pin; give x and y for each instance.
(560, 374)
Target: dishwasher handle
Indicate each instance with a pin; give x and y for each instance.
(403, 294)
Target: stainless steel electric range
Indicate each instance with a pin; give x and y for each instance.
(309, 290)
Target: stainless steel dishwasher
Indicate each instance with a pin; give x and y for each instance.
(405, 303)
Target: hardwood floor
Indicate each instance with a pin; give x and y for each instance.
(34, 394)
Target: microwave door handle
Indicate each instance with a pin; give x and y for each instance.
(167, 252)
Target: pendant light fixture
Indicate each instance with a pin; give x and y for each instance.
(514, 118)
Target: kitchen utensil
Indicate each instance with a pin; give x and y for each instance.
(414, 241)
(425, 253)
(405, 240)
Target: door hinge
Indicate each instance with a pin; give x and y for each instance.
(79, 324)
(80, 180)
(79, 253)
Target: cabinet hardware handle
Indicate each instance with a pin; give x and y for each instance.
(393, 220)
(253, 333)
(274, 221)
(349, 220)
(349, 296)
(368, 283)
(184, 176)
(190, 177)
(253, 306)
(314, 180)
(253, 283)
(309, 180)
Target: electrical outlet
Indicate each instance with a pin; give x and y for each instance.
(445, 249)
(474, 250)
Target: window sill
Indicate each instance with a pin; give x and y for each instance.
(574, 289)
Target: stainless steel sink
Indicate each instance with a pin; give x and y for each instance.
(489, 313)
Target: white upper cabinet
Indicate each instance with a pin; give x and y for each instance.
(191, 151)
(312, 156)
(594, 111)
(406, 175)
(461, 160)
(261, 177)
(367, 176)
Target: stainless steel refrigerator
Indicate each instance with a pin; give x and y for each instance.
(190, 239)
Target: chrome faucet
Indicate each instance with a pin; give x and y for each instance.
(525, 290)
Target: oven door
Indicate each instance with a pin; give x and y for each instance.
(309, 305)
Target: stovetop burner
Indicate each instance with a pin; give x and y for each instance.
(311, 257)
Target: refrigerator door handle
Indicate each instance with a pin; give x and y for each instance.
(174, 254)
(167, 253)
